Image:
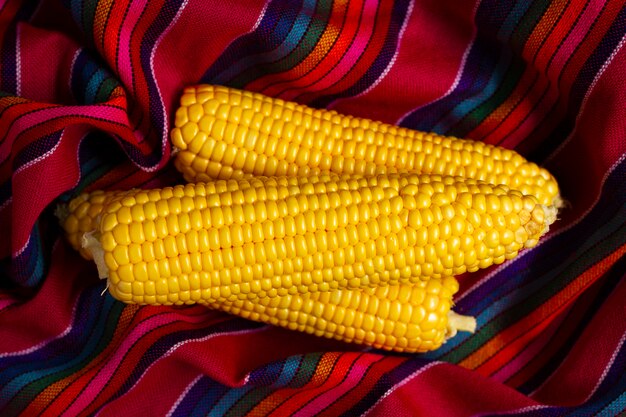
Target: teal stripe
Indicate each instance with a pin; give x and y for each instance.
(616, 407)
(94, 343)
(300, 51)
(592, 250)
(228, 400)
(291, 41)
(506, 57)
(292, 364)
(93, 85)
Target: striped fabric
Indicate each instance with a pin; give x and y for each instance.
(87, 93)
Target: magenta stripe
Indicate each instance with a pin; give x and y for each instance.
(95, 386)
(357, 48)
(23, 123)
(530, 352)
(356, 373)
(556, 67)
(124, 66)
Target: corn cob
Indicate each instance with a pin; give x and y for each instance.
(267, 237)
(227, 133)
(81, 215)
(413, 317)
(404, 317)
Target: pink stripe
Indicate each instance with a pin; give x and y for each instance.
(92, 390)
(580, 373)
(530, 352)
(412, 83)
(573, 40)
(4, 303)
(124, 67)
(112, 114)
(347, 62)
(356, 373)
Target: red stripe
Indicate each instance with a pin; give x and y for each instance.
(571, 71)
(448, 390)
(140, 114)
(563, 333)
(110, 37)
(57, 396)
(290, 90)
(508, 342)
(190, 37)
(380, 23)
(325, 374)
(270, 83)
(580, 371)
(426, 44)
(531, 98)
(597, 143)
(372, 377)
(54, 301)
(534, 81)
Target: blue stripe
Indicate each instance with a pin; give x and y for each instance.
(228, 400)
(287, 32)
(93, 85)
(262, 40)
(47, 361)
(290, 368)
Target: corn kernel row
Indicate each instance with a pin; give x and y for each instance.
(169, 246)
(225, 133)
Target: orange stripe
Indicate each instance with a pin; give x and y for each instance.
(99, 23)
(506, 344)
(537, 41)
(319, 53)
(50, 394)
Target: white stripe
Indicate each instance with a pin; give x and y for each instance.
(184, 342)
(400, 385)
(607, 368)
(602, 377)
(514, 411)
(165, 137)
(459, 73)
(45, 342)
(584, 102)
(40, 157)
(183, 395)
(405, 23)
(259, 19)
(546, 238)
(72, 65)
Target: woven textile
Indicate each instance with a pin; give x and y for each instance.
(88, 89)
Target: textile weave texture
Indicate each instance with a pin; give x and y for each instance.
(88, 89)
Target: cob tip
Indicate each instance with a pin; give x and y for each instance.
(92, 245)
(62, 212)
(459, 323)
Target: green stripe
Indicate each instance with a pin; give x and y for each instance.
(511, 77)
(528, 24)
(33, 389)
(105, 89)
(598, 250)
(89, 12)
(310, 39)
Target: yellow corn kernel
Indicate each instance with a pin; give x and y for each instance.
(83, 215)
(318, 233)
(403, 317)
(273, 141)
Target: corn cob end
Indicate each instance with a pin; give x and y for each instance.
(459, 323)
(91, 244)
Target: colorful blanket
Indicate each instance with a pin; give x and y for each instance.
(88, 89)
